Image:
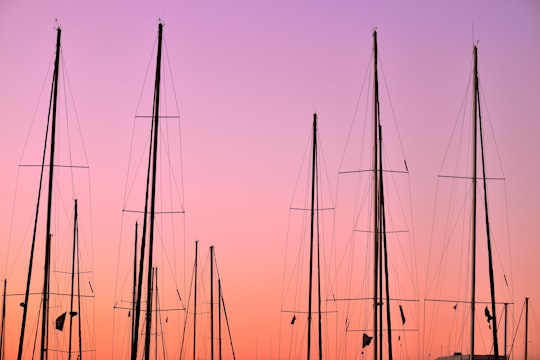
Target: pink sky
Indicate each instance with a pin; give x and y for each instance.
(248, 77)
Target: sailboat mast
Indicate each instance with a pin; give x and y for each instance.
(228, 327)
(79, 297)
(137, 300)
(3, 328)
(319, 281)
(155, 284)
(488, 233)
(47, 270)
(133, 301)
(153, 194)
(312, 230)
(384, 251)
(375, 197)
(211, 303)
(195, 303)
(219, 318)
(71, 314)
(526, 327)
(505, 328)
(474, 180)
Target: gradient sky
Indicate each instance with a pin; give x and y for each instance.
(248, 76)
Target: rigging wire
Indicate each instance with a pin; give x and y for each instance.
(505, 199)
(181, 190)
(127, 194)
(350, 247)
(7, 274)
(450, 226)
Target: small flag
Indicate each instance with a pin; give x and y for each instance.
(293, 319)
(488, 315)
(60, 322)
(366, 340)
(403, 320)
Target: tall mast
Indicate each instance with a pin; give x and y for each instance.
(473, 245)
(155, 284)
(505, 327)
(228, 327)
(52, 103)
(195, 303)
(312, 230)
(79, 297)
(488, 231)
(3, 326)
(384, 251)
(53, 100)
(150, 187)
(71, 313)
(318, 269)
(153, 196)
(526, 327)
(219, 318)
(133, 329)
(375, 196)
(47, 270)
(211, 303)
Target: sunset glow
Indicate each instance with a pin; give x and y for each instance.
(241, 82)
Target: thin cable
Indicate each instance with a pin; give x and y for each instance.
(10, 235)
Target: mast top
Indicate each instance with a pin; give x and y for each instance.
(475, 60)
(475, 50)
(375, 42)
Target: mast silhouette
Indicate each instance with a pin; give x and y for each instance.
(313, 209)
(375, 197)
(478, 132)
(381, 286)
(73, 257)
(526, 327)
(3, 326)
(134, 294)
(219, 317)
(155, 285)
(153, 196)
(379, 233)
(473, 252)
(221, 310)
(195, 302)
(46, 278)
(211, 303)
(149, 217)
